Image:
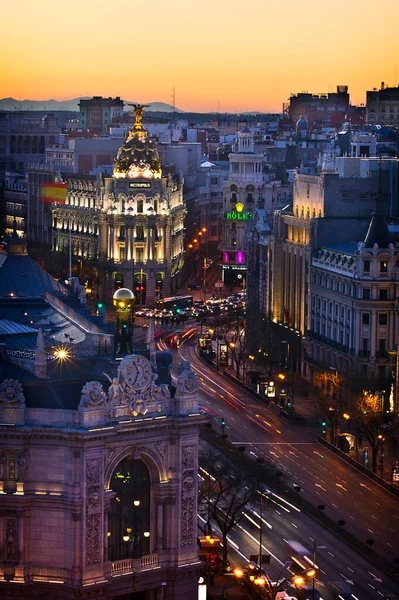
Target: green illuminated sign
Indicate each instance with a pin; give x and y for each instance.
(238, 216)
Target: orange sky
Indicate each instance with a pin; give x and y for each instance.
(236, 55)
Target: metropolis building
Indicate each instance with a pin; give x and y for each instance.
(131, 225)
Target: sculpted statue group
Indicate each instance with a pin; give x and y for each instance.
(134, 390)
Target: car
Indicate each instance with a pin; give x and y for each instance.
(193, 286)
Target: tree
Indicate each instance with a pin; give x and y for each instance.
(224, 493)
(369, 414)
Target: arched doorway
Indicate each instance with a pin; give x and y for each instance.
(129, 517)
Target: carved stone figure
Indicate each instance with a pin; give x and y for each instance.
(93, 395)
(11, 392)
(115, 395)
(21, 465)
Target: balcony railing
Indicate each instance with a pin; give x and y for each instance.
(135, 565)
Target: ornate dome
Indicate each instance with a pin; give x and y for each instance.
(138, 156)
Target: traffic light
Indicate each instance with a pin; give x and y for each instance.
(178, 310)
(223, 423)
(323, 426)
(100, 305)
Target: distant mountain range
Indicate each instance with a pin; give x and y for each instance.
(10, 104)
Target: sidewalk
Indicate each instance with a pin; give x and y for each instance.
(306, 407)
(226, 586)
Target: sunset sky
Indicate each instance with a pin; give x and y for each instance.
(234, 55)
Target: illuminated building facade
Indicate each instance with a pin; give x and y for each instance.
(98, 480)
(131, 225)
(242, 193)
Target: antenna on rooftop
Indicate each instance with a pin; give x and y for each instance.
(173, 113)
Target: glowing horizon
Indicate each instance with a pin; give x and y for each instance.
(219, 57)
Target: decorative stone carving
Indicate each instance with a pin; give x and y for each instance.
(93, 553)
(93, 471)
(186, 397)
(11, 467)
(11, 393)
(161, 447)
(93, 396)
(188, 496)
(10, 541)
(109, 455)
(187, 383)
(93, 511)
(138, 407)
(134, 391)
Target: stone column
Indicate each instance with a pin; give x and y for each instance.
(164, 242)
(159, 541)
(148, 241)
(127, 243)
(153, 231)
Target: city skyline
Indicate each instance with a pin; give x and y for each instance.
(219, 60)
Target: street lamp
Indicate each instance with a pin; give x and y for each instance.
(314, 563)
(286, 358)
(382, 439)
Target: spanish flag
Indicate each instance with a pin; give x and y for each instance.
(54, 192)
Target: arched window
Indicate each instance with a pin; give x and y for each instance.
(129, 517)
(314, 213)
(319, 213)
(308, 213)
(297, 210)
(302, 212)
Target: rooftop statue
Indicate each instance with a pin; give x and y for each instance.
(138, 110)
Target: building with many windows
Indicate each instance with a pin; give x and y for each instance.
(24, 138)
(242, 193)
(353, 300)
(130, 225)
(97, 113)
(382, 106)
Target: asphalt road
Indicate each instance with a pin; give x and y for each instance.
(369, 512)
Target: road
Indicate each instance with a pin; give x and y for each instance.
(369, 512)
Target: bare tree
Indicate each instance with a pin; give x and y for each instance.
(224, 493)
(369, 413)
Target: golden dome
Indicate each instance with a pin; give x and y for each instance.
(138, 156)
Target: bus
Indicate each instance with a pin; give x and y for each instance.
(174, 304)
